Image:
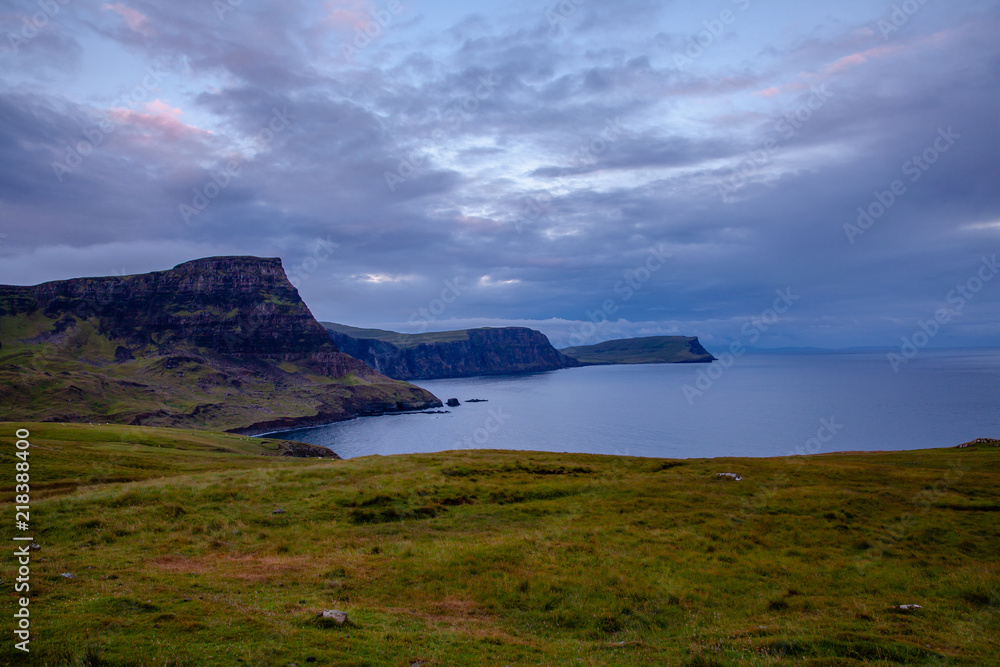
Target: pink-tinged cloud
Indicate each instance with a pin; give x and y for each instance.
(348, 14)
(809, 79)
(135, 20)
(160, 108)
(158, 121)
(859, 58)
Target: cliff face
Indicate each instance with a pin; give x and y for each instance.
(221, 342)
(233, 305)
(455, 354)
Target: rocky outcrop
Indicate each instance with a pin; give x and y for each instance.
(222, 343)
(232, 305)
(486, 351)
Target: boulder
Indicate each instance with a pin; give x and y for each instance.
(335, 615)
(729, 475)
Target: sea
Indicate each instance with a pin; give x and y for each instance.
(763, 404)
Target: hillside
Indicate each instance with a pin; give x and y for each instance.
(647, 350)
(485, 351)
(401, 340)
(179, 556)
(224, 343)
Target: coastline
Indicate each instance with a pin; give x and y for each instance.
(261, 429)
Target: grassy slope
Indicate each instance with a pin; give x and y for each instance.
(401, 340)
(74, 377)
(647, 350)
(504, 558)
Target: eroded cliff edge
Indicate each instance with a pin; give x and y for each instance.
(224, 343)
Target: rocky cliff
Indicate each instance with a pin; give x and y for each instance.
(221, 342)
(645, 350)
(452, 353)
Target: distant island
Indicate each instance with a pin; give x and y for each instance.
(648, 350)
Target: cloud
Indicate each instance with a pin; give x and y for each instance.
(159, 122)
(136, 21)
(498, 126)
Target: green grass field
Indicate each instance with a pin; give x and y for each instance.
(500, 558)
(401, 340)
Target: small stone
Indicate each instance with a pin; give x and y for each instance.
(729, 475)
(278, 511)
(68, 575)
(335, 615)
(34, 547)
(311, 659)
(907, 608)
(186, 600)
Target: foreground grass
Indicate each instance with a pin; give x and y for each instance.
(501, 558)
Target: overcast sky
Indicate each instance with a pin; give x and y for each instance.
(431, 164)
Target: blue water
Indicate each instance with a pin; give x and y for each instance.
(763, 405)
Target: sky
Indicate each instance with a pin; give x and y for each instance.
(774, 174)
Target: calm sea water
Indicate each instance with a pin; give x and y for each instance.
(764, 405)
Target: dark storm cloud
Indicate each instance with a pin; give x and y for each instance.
(539, 162)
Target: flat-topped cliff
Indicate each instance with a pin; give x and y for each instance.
(469, 352)
(220, 342)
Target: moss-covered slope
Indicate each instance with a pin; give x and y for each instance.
(224, 343)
